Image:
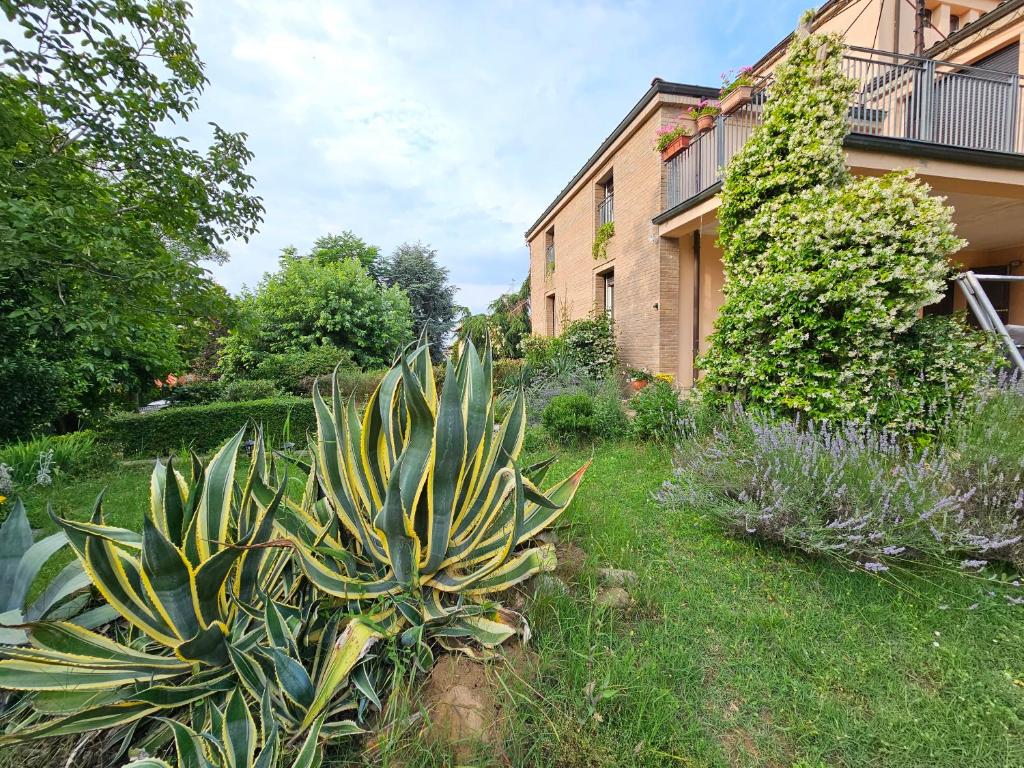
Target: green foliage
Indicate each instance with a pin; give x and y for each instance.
(509, 321)
(309, 303)
(660, 414)
(591, 344)
(351, 382)
(337, 248)
(413, 268)
(250, 389)
(198, 392)
(292, 370)
(605, 232)
(202, 427)
(826, 274)
(610, 420)
(508, 373)
(104, 220)
(65, 456)
(569, 418)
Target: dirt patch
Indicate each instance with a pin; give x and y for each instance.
(739, 747)
(520, 660)
(461, 706)
(571, 560)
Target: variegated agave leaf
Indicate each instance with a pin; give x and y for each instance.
(205, 598)
(21, 560)
(424, 506)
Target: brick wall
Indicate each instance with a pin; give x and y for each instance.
(646, 267)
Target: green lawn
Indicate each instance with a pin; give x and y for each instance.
(734, 654)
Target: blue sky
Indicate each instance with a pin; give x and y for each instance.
(453, 123)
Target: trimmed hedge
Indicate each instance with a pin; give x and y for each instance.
(204, 427)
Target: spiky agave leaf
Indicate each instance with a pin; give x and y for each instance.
(204, 593)
(21, 560)
(429, 509)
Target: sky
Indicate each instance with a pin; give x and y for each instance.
(450, 123)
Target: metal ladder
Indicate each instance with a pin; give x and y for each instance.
(981, 307)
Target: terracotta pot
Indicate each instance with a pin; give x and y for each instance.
(678, 145)
(639, 384)
(705, 123)
(736, 98)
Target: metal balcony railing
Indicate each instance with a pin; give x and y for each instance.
(549, 253)
(898, 96)
(606, 210)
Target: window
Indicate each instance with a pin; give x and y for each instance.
(606, 200)
(549, 304)
(609, 294)
(954, 23)
(549, 250)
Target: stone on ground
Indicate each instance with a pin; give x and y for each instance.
(613, 597)
(616, 577)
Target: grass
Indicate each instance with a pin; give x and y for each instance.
(733, 654)
(737, 654)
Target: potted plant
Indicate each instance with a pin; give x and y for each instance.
(704, 114)
(737, 89)
(639, 378)
(672, 139)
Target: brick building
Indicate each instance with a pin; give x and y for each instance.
(940, 93)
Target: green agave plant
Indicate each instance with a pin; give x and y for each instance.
(21, 560)
(425, 511)
(207, 599)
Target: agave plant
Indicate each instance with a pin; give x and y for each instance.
(425, 511)
(21, 560)
(205, 597)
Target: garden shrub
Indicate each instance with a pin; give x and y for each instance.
(569, 418)
(203, 427)
(826, 274)
(291, 371)
(660, 414)
(508, 373)
(353, 382)
(41, 460)
(851, 491)
(610, 420)
(591, 343)
(250, 389)
(198, 392)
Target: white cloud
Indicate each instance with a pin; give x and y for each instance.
(453, 123)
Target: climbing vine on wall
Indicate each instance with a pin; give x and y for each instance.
(826, 273)
(604, 233)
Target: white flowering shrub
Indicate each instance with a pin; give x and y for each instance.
(826, 273)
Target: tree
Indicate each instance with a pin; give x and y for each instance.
(826, 274)
(413, 267)
(308, 303)
(104, 222)
(510, 320)
(344, 246)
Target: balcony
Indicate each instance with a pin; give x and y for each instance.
(606, 209)
(899, 97)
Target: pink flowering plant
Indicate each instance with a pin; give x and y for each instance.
(736, 78)
(704, 107)
(669, 133)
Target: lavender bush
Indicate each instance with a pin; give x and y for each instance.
(869, 496)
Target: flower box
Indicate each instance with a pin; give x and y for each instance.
(736, 98)
(678, 145)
